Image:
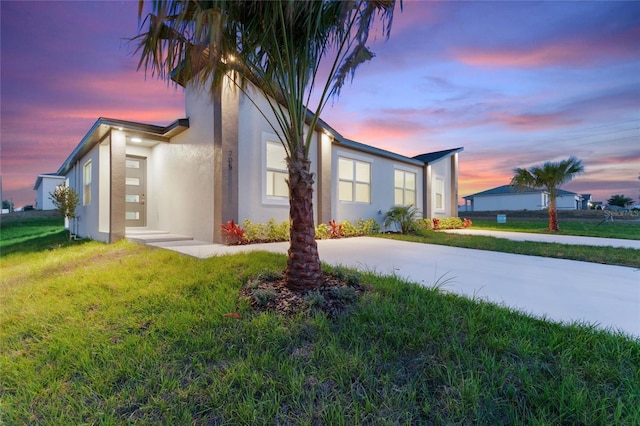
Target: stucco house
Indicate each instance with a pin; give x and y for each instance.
(45, 184)
(224, 162)
(507, 197)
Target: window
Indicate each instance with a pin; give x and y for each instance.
(277, 174)
(354, 180)
(439, 194)
(86, 192)
(404, 188)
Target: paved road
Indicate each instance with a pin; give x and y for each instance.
(560, 290)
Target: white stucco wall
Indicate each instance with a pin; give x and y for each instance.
(382, 186)
(47, 186)
(567, 202)
(525, 201)
(180, 175)
(442, 170)
(87, 221)
(253, 205)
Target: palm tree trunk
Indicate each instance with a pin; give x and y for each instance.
(553, 216)
(303, 263)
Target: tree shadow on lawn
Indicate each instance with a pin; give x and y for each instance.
(39, 243)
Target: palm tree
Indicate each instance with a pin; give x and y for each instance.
(548, 176)
(278, 47)
(403, 217)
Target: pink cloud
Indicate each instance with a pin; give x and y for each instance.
(533, 122)
(581, 51)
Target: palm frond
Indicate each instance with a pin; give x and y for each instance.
(277, 45)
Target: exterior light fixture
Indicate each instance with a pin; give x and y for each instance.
(136, 140)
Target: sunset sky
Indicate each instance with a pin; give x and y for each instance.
(514, 83)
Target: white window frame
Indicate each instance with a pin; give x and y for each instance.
(355, 160)
(87, 178)
(404, 189)
(438, 189)
(268, 138)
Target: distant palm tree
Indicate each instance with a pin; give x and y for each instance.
(548, 176)
(278, 46)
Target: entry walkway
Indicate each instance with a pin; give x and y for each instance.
(560, 290)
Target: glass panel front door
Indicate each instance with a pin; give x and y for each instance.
(136, 183)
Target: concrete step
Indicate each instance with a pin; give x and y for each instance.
(150, 236)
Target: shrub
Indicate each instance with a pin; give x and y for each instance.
(323, 231)
(254, 232)
(466, 223)
(314, 298)
(444, 223)
(368, 227)
(402, 217)
(335, 229)
(272, 231)
(450, 223)
(349, 230)
(347, 294)
(278, 231)
(262, 297)
(423, 225)
(232, 234)
(266, 232)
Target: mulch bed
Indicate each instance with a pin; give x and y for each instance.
(333, 296)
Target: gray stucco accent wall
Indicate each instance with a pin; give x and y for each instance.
(323, 186)
(225, 142)
(118, 186)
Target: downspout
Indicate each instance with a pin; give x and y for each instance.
(74, 227)
(454, 185)
(427, 192)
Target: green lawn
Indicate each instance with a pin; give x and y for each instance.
(629, 230)
(122, 334)
(29, 231)
(606, 255)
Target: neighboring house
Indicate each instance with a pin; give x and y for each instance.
(45, 185)
(507, 197)
(224, 162)
(587, 202)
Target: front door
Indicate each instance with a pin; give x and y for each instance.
(136, 211)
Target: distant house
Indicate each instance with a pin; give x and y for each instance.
(507, 197)
(45, 185)
(224, 162)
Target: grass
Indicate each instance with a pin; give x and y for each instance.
(24, 232)
(629, 230)
(607, 255)
(120, 334)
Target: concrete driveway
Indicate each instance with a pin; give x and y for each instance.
(560, 290)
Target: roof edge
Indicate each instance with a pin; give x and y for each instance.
(94, 135)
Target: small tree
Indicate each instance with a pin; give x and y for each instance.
(66, 200)
(6, 204)
(619, 200)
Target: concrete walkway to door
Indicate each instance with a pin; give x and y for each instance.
(560, 290)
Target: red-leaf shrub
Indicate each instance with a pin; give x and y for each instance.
(232, 233)
(336, 229)
(466, 223)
